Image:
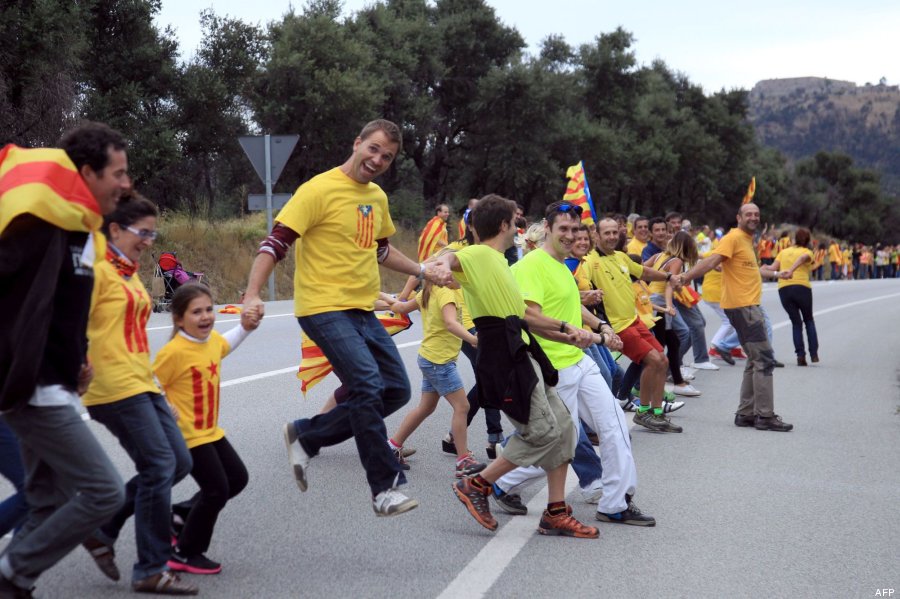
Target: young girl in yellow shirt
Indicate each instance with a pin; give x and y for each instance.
(443, 335)
(188, 370)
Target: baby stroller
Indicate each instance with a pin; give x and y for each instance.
(168, 276)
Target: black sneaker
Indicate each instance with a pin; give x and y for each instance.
(511, 503)
(448, 446)
(779, 364)
(631, 515)
(194, 564)
(772, 423)
(724, 355)
(744, 420)
(491, 451)
(8, 589)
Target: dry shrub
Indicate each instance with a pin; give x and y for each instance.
(224, 251)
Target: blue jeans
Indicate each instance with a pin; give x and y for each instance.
(696, 325)
(586, 463)
(147, 431)
(366, 360)
(13, 509)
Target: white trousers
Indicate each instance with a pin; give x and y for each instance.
(584, 391)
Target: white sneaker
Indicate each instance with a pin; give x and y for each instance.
(593, 493)
(686, 390)
(687, 373)
(392, 502)
(297, 457)
(704, 366)
(671, 406)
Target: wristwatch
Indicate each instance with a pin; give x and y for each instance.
(562, 326)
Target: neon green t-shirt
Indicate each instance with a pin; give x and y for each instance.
(439, 345)
(548, 283)
(489, 286)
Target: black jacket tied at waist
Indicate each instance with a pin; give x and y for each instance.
(503, 371)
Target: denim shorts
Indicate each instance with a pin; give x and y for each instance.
(442, 379)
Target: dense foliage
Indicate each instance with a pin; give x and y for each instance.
(479, 114)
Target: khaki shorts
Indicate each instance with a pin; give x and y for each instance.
(549, 438)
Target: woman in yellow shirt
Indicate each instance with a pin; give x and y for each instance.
(124, 398)
(795, 293)
(442, 338)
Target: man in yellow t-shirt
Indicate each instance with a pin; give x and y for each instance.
(836, 259)
(611, 271)
(641, 236)
(548, 288)
(342, 220)
(741, 295)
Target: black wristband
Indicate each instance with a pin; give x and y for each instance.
(562, 326)
(668, 276)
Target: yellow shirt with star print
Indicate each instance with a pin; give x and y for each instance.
(188, 371)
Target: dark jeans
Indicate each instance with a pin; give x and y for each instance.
(491, 415)
(366, 360)
(147, 431)
(221, 475)
(13, 509)
(669, 339)
(71, 489)
(797, 302)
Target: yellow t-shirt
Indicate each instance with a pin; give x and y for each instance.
(848, 259)
(712, 286)
(659, 286)
(550, 284)
(582, 277)
(741, 281)
(642, 304)
(489, 286)
(613, 275)
(786, 259)
(635, 246)
(338, 221)
(188, 372)
(465, 317)
(439, 345)
(117, 336)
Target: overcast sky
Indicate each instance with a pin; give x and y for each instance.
(717, 44)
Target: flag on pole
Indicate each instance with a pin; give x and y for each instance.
(578, 193)
(751, 189)
(314, 366)
(435, 230)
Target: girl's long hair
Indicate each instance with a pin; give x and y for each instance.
(683, 246)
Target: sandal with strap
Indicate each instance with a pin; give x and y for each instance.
(164, 583)
(104, 557)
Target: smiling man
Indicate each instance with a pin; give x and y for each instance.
(344, 221)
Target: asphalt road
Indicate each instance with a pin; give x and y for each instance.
(741, 513)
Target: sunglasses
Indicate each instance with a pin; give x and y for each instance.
(566, 208)
(142, 233)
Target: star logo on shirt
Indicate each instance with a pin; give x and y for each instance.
(213, 369)
(364, 209)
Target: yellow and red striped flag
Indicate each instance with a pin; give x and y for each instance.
(314, 366)
(435, 230)
(751, 189)
(578, 193)
(45, 183)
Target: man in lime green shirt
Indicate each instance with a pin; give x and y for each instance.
(549, 288)
(512, 371)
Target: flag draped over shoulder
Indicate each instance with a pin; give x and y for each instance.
(578, 193)
(45, 183)
(751, 190)
(435, 230)
(314, 366)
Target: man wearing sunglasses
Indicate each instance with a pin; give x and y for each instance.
(549, 288)
(611, 271)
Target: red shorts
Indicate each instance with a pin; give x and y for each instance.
(637, 341)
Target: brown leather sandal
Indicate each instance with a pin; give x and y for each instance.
(104, 556)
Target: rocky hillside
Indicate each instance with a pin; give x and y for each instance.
(804, 115)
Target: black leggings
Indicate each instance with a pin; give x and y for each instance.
(669, 339)
(221, 475)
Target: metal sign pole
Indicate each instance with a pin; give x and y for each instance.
(268, 147)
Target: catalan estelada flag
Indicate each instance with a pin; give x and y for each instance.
(751, 190)
(314, 366)
(578, 193)
(435, 230)
(45, 183)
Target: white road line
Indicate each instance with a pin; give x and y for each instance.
(476, 579)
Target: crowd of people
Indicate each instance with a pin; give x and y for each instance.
(848, 261)
(568, 327)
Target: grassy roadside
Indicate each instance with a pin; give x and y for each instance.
(224, 250)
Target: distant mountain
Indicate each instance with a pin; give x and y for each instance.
(805, 115)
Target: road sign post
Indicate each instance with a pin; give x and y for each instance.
(268, 154)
